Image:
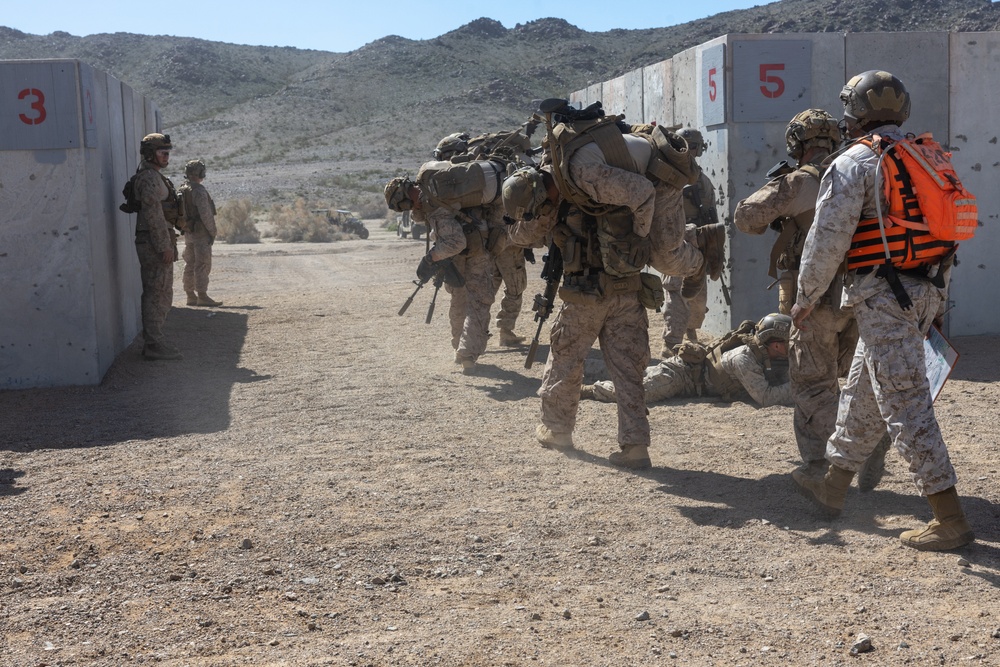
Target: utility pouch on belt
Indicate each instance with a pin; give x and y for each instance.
(651, 295)
(572, 252)
(623, 252)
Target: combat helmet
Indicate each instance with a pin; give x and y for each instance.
(397, 194)
(812, 127)
(195, 169)
(523, 193)
(874, 98)
(154, 142)
(772, 327)
(695, 142)
(453, 144)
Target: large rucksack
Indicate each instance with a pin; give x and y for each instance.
(462, 185)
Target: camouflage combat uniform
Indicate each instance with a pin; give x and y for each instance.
(469, 310)
(618, 322)
(154, 236)
(821, 354)
(508, 270)
(199, 239)
(657, 207)
(686, 298)
(675, 377)
(887, 384)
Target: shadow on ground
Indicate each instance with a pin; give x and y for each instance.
(139, 399)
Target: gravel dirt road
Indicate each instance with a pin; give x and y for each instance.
(316, 483)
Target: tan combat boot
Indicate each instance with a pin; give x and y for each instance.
(553, 440)
(692, 335)
(874, 467)
(711, 240)
(827, 492)
(158, 352)
(510, 339)
(205, 300)
(633, 457)
(192, 299)
(587, 392)
(949, 529)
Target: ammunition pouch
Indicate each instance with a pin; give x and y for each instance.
(651, 293)
(572, 251)
(671, 162)
(615, 285)
(623, 252)
(494, 240)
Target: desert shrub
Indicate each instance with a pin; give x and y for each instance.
(296, 222)
(235, 224)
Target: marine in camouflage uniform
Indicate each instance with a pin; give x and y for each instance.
(686, 297)
(459, 237)
(155, 244)
(741, 370)
(509, 269)
(821, 353)
(199, 210)
(618, 321)
(887, 385)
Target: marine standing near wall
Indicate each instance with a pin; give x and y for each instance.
(686, 297)
(199, 209)
(887, 385)
(821, 353)
(156, 243)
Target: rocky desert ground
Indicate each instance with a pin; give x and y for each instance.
(316, 483)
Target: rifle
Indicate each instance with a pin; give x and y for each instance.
(409, 300)
(544, 303)
(438, 281)
(444, 272)
(708, 216)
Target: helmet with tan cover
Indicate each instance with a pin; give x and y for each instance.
(812, 127)
(773, 327)
(195, 169)
(397, 194)
(154, 142)
(453, 144)
(695, 142)
(523, 193)
(874, 98)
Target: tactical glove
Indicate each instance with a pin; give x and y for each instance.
(529, 255)
(426, 268)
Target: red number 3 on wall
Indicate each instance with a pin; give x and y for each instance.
(38, 105)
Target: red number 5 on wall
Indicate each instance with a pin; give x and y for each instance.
(37, 105)
(769, 79)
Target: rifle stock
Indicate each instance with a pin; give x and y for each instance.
(544, 303)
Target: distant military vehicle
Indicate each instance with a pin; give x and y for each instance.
(406, 227)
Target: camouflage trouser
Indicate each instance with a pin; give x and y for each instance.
(509, 269)
(671, 253)
(469, 312)
(157, 291)
(669, 378)
(685, 301)
(815, 362)
(622, 327)
(887, 386)
(197, 261)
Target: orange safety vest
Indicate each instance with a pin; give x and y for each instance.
(928, 208)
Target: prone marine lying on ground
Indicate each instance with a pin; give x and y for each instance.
(753, 360)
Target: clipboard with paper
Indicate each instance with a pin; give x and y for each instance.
(940, 358)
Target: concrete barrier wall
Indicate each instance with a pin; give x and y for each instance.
(740, 91)
(70, 301)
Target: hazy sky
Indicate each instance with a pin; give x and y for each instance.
(337, 25)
